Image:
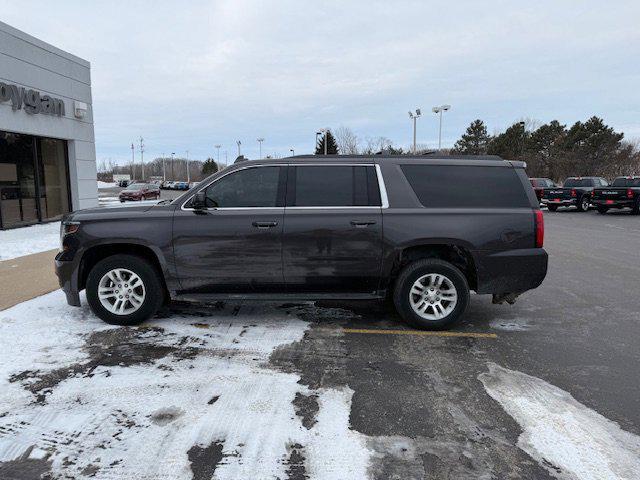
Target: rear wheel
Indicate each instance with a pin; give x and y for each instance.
(124, 290)
(431, 294)
(602, 210)
(552, 208)
(583, 206)
(635, 210)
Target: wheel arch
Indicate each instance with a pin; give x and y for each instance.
(95, 253)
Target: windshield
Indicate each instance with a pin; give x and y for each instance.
(626, 182)
(136, 186)
(578, 182)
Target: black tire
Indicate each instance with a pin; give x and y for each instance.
(552, 208)
(583, 205)
(602, 210)
(413, 272)
(635, 210)
(154, 293)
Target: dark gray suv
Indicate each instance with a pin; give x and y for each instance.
(424, 230)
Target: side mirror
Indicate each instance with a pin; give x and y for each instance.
(199, 201)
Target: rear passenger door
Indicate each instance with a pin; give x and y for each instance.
(332, 238)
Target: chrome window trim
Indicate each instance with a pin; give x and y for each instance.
(384, 200)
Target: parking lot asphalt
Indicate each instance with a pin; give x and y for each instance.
(546, 388)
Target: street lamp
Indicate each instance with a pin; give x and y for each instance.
(524, 135)
(260, 140)
(239, 143)
(173, 177)
(188, 173)
(217, 147)
(414, 117)
(293, 152)
(326, 140)
(439, 110)
(164, 175)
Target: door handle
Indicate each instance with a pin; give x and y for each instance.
(264, 224)
(363, 224)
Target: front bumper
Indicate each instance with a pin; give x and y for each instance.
(511, 271)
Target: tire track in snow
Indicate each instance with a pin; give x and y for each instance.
(569, 439)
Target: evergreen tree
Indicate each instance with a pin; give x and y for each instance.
(474, 141)
(510, 144)
(209, 167)
(332, 146)
(544, 148)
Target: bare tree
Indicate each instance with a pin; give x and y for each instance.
(347, 140)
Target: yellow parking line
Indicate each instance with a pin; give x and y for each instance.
(420, 332)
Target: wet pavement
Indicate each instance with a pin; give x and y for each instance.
(546, 388)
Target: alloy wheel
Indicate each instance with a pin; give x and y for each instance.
(121, 291)
(433, 296)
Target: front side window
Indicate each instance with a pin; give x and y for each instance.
(252, 187)
(334, 186)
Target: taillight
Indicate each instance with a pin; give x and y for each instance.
(573, 192)
(629, 193)
(539, 222)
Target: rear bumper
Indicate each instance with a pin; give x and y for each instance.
(618, 203)
(511, 271)
(561, 202)
(67, 272)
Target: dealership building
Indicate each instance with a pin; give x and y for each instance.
(47, 143)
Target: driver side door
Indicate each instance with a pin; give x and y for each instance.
(235, 244)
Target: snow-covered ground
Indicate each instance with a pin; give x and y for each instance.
(102, 185)
(164, 400)
(571, 440)
(27, 240)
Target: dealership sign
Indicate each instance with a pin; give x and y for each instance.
(32, 101)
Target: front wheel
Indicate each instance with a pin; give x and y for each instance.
(635, 210)
(552, 208)
(602, 210)
(124, 290)
(431, 294)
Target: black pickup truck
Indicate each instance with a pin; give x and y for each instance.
(624, 192)
(575, 192)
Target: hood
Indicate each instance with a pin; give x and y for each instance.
(110, 212)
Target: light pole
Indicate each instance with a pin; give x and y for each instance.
(133, 161)
(239, 143)
(260, 140)
(524, 137)
(293, 152)
(217, 147)
(414, 117)
(439, 110)
(326, 139)
(142, 156)
(188, 173)
(164, 173)
(173, 177)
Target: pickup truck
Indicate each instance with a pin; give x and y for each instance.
(575, 192)
(539, 184)
(624, 192)
(423, 231)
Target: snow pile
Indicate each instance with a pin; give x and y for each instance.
(102, 184)
(17, 242)
(569, 439)
(175, 396)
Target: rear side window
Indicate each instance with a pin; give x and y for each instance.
(626, 182)
(456, 186)
(333, 186)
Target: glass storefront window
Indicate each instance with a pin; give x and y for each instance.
(33, 179)
(54, 192)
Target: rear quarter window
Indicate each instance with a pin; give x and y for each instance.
(459, 186)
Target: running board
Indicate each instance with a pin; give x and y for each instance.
(215, 297)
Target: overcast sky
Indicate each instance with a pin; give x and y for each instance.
(189, 75)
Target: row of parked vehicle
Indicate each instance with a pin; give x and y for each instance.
(177, 185)
(584, 192)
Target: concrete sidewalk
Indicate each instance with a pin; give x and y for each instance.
(27, 277)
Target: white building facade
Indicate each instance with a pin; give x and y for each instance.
(47, 143)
